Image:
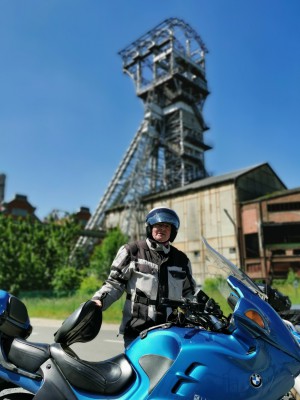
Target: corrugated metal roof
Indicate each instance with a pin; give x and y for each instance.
(210, 181)
(279, 193)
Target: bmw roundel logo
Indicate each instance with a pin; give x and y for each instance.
(256, 380)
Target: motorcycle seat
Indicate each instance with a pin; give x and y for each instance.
(107, 377)
(27, 355)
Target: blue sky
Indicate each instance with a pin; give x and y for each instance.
(68, 113)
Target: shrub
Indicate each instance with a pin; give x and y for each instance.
(89, 285)
(104, 253)
(66, 281)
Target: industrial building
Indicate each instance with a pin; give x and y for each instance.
(248, 215)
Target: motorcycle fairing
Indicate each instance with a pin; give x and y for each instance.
(275, 332)
(208, 364)
(150, 363)
(223, 363)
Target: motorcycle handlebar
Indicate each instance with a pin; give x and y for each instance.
(184, 303)
(209, 307)
(208, 314)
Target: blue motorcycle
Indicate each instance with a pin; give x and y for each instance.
(199, 354)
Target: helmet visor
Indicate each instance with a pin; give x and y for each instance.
(163, 215)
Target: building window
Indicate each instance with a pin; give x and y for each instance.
(278, 252)
(281, 233)
(291, 206)
(19, 212)
(252, 245)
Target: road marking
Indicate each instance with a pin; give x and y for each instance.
(113, 341)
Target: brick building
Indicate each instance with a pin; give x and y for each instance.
(271, 234)
(19, 207)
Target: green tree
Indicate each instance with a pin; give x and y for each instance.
(291, 277)
(66, 280)
(32, 253)
(88, 285)
(104, 253)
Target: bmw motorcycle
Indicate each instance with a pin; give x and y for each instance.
(199, 354)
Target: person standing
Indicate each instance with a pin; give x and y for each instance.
(148, 270)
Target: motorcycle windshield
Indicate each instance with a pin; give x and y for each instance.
(226, 268)
(272, 328)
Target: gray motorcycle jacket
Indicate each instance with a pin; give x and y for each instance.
(148, 272)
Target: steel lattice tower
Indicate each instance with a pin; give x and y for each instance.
(167, 65)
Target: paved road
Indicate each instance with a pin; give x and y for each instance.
(107, 344)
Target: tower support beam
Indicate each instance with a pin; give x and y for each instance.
(167, 65)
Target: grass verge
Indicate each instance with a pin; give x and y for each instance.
(61, 308)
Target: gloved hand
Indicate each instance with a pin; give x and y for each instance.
(177, 316)
(98, 302)
(213, 308)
